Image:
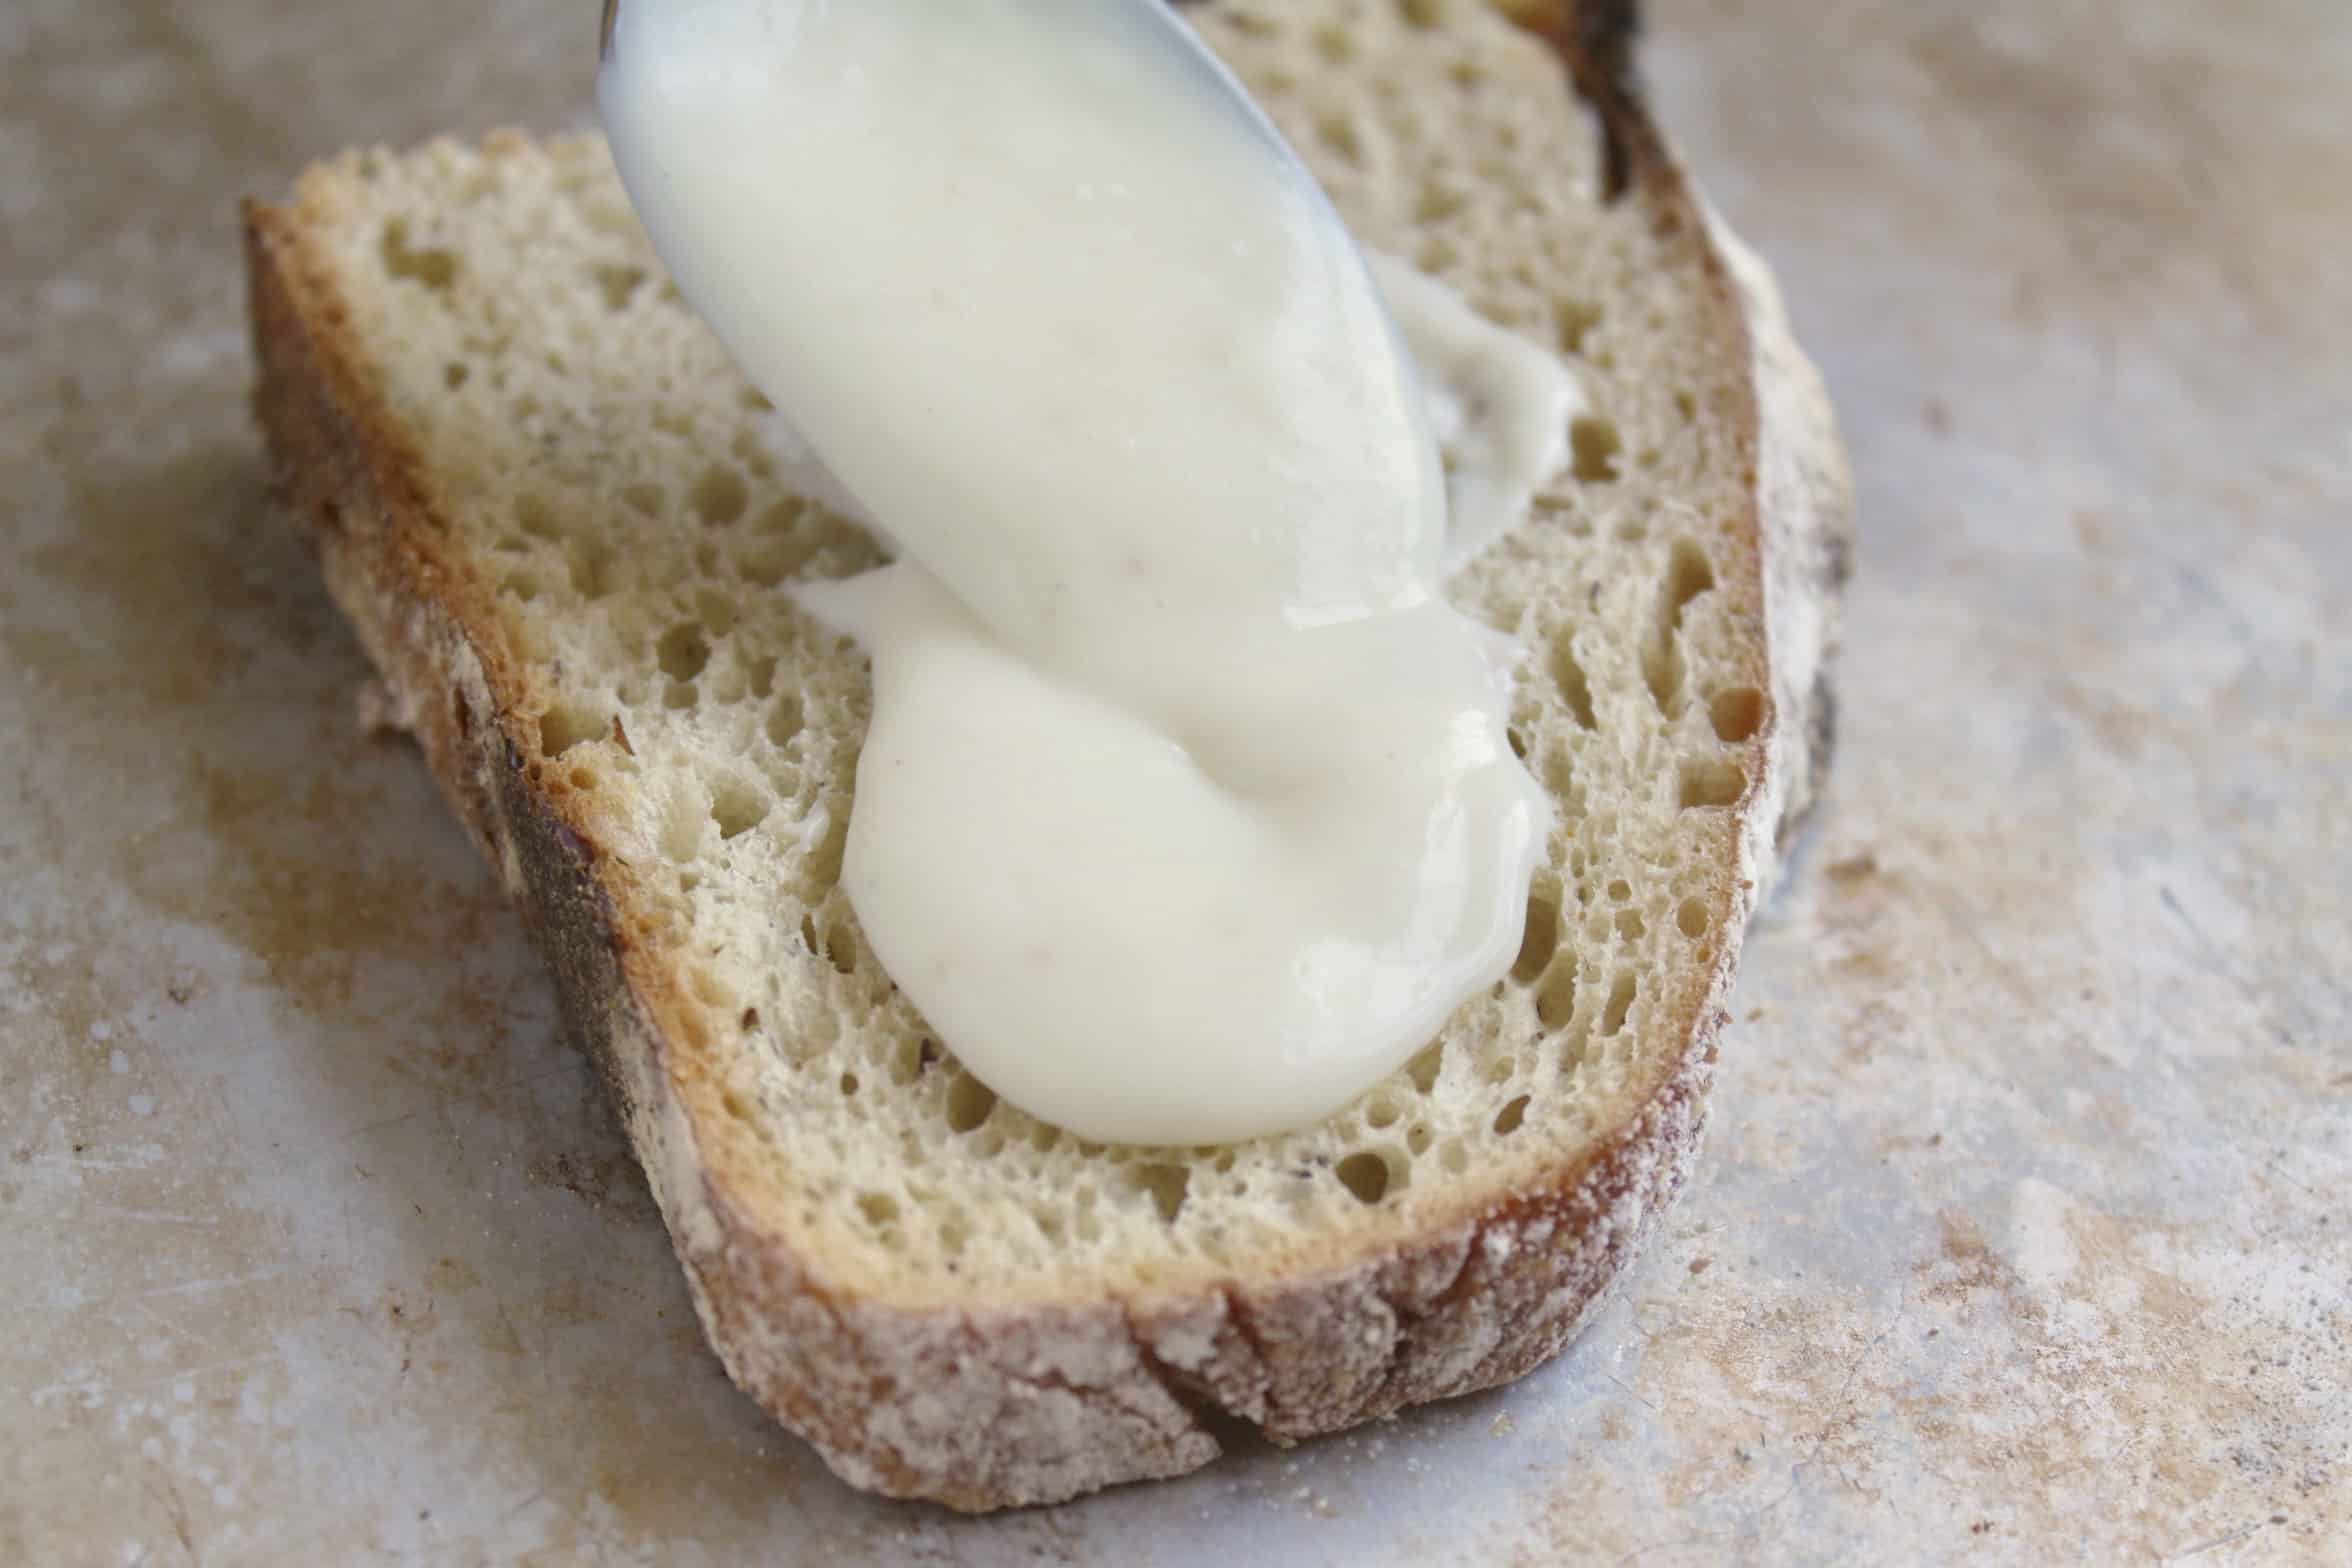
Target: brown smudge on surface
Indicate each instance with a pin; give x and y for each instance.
(1853, 869)
(598, 1180)
(177, 598)
(1965, 1262)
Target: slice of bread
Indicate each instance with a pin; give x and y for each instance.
(547, 502)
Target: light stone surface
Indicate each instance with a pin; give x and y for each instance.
(2022, 1235)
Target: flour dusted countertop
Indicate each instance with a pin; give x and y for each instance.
(2021, 1234)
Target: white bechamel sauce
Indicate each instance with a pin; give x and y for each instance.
(1499, 407)
(1187, 811)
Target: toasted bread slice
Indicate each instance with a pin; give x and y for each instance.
(545, 499)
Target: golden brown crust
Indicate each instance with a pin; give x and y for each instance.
(981, 1406)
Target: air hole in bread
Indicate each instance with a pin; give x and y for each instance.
(716, 610)
(849, 1086)
(619, 285)
(679, 696)
(797, 540)
(1629, 925)
(772, 560)
(1575, 688)
(907, 1060)
(1555, 999)
(1620, 890)
(1439, 203)
(1540, 938)
(1423, 13)
(1424, 1067)
(1737, 714)
(1166, 1184)
(737, 808)
(1573, 321)
(1341, 138)
(1713, 782)
(565, 725)
(591, 566)
(456, 374)
(434, 268)
(877, 1208)
(1691, 919)
(785, 717)
(684, 651)
(969, 1103)
(720, 496)
(1417, 1140)
(1335, 43)
(841, 946)
(1507, 1119)
(1621, 993)
(1594, 445)
(1688, 574)
(1381, 1111)
(1559, 774)
(824, 861)
(752, 453)
(1364, 1174)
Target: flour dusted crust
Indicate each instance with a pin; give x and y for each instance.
(985, 1405)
